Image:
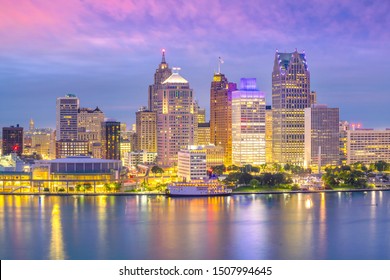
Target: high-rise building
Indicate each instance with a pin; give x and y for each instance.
(90, 126)
(162, 73)
(32, 125)
(368, 146)
(12, 140)
(248, 124)
(321, 137)
(268, 134)
(66, 117)
(343, 128)
(201, 115)
(146, 127)
(221, 114)
(203, 134)
(290, 96)
(176, 118)
(111, 139)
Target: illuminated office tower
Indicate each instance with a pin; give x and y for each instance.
(176, 118)
(368, 146)
(201, 115)
(322, 137)
(162, 73)
(221, 114)
(42, 143)
(146, 130)
(290, 96)
(343, 129)
(268, 134)
(66, 148)
(111, 139)
(12, 140)
(248, 124)
(66, 117)
(203, 134)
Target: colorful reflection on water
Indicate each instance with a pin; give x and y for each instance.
(289, 226)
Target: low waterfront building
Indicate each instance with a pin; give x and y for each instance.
(69, 148)
(132, 159)
(192, 164)
(368, 146)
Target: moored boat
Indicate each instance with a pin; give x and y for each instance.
(197, 189)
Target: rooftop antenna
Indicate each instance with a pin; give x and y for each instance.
(163, 56)
(220, 61)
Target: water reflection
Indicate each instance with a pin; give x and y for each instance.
(57, 251)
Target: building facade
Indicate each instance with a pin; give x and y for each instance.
(66, 148)
(146, 130)
(67, 109)
(12, 140)
(192, 165)
(176, 118)
(268, 134)
(322, 137)
(221, 114)
(203, 134)
(248, 124)
(90, 125)
(368, 146)
(290, 96)
(111, 140)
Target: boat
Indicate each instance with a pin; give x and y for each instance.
(201, 188)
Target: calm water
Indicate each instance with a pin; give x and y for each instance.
(297, 226)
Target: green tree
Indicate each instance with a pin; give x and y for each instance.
(219, 169)
(254, 183)
(157, 170)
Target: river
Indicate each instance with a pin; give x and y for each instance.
(284, 226)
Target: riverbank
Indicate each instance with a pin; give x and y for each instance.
(233, 193)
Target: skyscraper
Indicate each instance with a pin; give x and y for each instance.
(290, 96)
(176, 118)
(321, 136)
(90, 126)
(268, 134)
(111, 139)
(146, 127)
(162, 73)
(66, 117)
(248, 124)
(12, 140)
(221, 114)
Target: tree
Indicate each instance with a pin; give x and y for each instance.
(156, 169)
(381, 165)
(254, 183)
(245, 178)
(219, 169)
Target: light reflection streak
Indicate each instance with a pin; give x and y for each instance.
(57, 251)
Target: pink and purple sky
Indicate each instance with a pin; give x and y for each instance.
(106, 52)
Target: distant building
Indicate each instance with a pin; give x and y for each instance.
(111, 140)
(67, 109)
(322, 137)
(368, 146)
(221, 114)
(203, 134)
(248, 124)
(192, 165)
(201, 115)
(12, 140)
(42, 143)
(146, 130)
(290, 96)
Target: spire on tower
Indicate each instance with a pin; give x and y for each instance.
(163, 56)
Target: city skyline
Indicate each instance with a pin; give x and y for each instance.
(100, 50)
